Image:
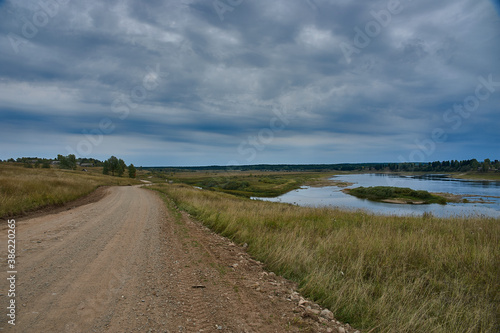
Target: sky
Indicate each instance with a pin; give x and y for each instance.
(237, 82)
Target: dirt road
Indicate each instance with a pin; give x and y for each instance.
(133, 263)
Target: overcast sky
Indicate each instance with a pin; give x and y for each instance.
(202, 82)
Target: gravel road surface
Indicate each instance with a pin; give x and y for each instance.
(132, 262)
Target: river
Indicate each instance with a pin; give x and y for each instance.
(484, 196)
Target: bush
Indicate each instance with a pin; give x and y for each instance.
(236, 185)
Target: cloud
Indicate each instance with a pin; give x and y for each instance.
(219, 82)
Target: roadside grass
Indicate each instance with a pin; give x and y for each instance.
(378, 273)
(23, 190)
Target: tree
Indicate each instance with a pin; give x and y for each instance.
(105, 168)
(115, 166)
(131, 171)
(474, 164)
(121, 167)
(486, 165)
(67, 162)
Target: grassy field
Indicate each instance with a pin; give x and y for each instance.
(23, 189)
(379, 273)
(494, 176)
(247, 183)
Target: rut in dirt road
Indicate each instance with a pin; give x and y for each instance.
(128, 264)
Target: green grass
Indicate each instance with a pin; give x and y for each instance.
(23, 190)
(494, 176)
(379, 273)
(248, 184)
(402, 194)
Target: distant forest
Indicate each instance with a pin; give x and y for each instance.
(438, 166)
(62, 162)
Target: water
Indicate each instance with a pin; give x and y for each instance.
(471, 190)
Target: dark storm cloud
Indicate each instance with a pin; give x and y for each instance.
(219, 77)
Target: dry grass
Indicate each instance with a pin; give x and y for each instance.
(477, 176)
(23, 190)
(379, 273)
(251, 183)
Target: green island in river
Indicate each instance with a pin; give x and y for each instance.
(396, 195)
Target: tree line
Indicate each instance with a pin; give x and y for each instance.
(472, 165)
(113, 165)
(117, 167)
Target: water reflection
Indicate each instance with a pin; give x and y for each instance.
(478, 191)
